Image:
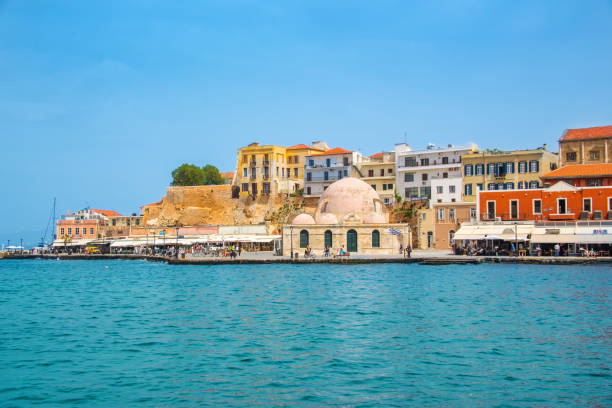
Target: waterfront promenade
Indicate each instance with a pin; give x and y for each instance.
(424, 257)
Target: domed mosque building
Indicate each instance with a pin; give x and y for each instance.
(350, 216)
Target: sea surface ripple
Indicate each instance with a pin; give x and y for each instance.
(136, 333)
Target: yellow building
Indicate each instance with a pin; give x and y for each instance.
(586, 146)
(261, 170)
(296, 160)
(505, 170)
(425, 228)
(379, 172)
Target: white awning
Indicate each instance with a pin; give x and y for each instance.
(74, 242)
(501, 232)
(571, 239)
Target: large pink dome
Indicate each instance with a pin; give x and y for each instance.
(303, 219)
(350, 197)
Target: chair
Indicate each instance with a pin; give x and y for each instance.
(584, 215)
(597, 215)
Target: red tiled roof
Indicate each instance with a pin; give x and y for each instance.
(302, 147)
(335, 150)
(226, 174)
(108, 213)
(153, 204)
(580, 171)
(374, 156)
(587, 133)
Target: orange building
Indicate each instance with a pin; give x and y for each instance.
(560, 202)
(581, 175)
(84, 224)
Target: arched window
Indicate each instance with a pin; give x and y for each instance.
(328, 238)
(375, 239)
(303, 239)
(351, 241)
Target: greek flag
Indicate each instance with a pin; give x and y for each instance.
(394, 231)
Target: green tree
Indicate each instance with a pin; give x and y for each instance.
(212, 175)
(188, 175)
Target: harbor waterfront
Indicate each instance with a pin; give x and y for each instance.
(117, 333)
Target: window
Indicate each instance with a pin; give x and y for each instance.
(69, 231)
(451, 189)
(326, 175)
(296, 159)
(61, 231)
(295, 172)
(389, 186)
(384, 187)
(137, 223)
(609, 203)
(309, 176)
(245, 187)
(514, 209)
(308, 190)
(382, 172)
(303, 239)
(468, 189)
(586, 205)
(440, 214)
(520, 185)
(480, 186)
(426, 192)
(570, 156)
(534, 184)
(374, 186)
(370, 173)
(424, 162)
(424, 177)
(522, 167)
(328, 239)
(479, 169)
(345, 161)
(389, 171)
(439, 189)
(491, 168)
(375, 239)
(311, 163)
(410, 161)
(411, 192)
(510, 167)
(491, 210)
(408, 177)
(594, 182)
(85, 231)
(114, 223)
(491, 186)
(468, 169)
(444, 175)
(424, 217)
(534, 166)
(561, 206)
(445, 160)
(472, 213)
(509, 186)
(451, 214)
(594, 155)
(245, 172)
(351, 240)
(537, 206)
(76, 230)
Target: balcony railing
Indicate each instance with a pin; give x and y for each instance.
(330, 178)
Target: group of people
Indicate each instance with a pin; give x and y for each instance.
(405, 251)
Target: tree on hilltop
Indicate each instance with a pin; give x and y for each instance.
(192, 175)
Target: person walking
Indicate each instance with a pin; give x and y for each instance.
(407, 251)
(557, 249)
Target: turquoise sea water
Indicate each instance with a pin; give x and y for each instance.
(74, 333)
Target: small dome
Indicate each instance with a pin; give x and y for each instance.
(303, 219)
(374, 218)
(327, 218)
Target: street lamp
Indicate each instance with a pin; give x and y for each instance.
(177, 230)
(516, 238)
(291, 229)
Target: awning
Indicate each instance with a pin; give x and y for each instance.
(74, 242)
(571, 239)
(499, 232)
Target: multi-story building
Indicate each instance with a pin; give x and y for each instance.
(322, 169)
(296, 161)
(586, 146)
(84, 224)
(121, 225)
(425, 228)
(560, 202)
(261, 170)
(505, 170)
(415, 170)
(581, 175)
(446, 190)
(448, 219)
(379, 172)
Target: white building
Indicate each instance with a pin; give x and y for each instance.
(415, 170)
(322, 169)
(446, 190)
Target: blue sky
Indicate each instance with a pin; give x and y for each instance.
(100, 100)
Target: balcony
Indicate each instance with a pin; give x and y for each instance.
(266, 162)
(253, 163)
(323, 179)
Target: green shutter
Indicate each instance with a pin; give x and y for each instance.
(303, 239)
(328, 238)
(375, 239)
